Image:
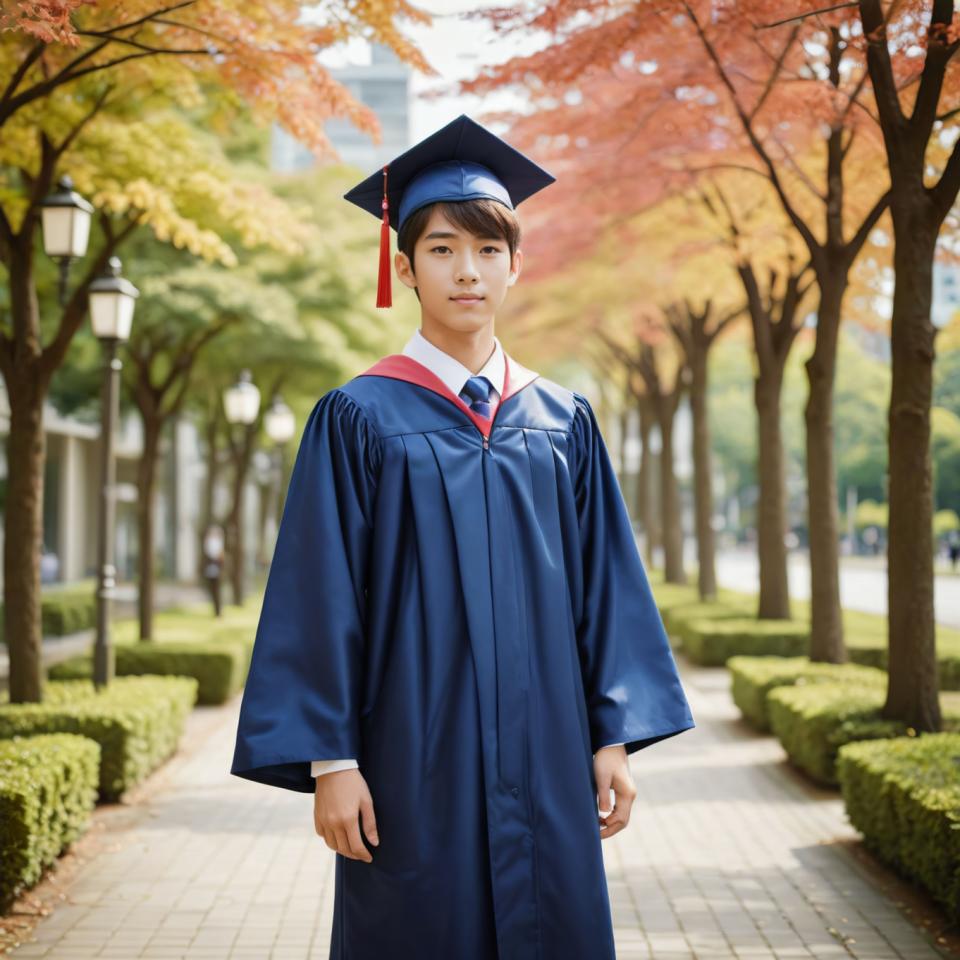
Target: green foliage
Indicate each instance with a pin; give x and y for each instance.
(218, 667)
(865, 634)
(903, 795)
(813, 721)
(48, 788)
(752, 678)
(944, 522)
(137, 721)
(677, 615)
(945, 453)
(871, 514)
(65, 610)
(712, 641)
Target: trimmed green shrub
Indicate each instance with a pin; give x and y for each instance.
(48, 787)
(872, 652)
(675, 618)
(712, 642)
(865, 634)
(754, 677)
(813, 721)
(220, 667)
(138, 722)
(903, 795)
(65, 610)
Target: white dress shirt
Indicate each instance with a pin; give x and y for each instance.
(454, 374)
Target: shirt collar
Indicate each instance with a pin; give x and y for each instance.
(450, 370)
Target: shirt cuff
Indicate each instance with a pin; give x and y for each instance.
(319, 767)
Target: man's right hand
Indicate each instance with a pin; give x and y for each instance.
(342, 798)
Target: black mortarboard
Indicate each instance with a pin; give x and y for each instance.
(461, 161)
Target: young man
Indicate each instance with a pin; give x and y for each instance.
(458, 646)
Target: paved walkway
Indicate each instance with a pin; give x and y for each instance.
(729, 854)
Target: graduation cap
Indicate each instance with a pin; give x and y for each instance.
(461, 161)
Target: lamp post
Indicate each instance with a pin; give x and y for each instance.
(65, 219)
(111, 313)
(241, 404)
(280, 424)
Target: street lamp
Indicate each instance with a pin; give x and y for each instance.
(111, 312)
(279, 421)
(280, 424)
(65, 220)
(241, 404)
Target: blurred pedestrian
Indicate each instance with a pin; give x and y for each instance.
(213, 543)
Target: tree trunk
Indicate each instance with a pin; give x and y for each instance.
(670, 498)
(912, 692)
(23, 516)
(702, 478)
(774, 600)
(235, 523)
(23, 535)
(209, 488)
(826, 624)
(645, 482)
(146, 486)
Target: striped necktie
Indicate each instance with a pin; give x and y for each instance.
(477, 390)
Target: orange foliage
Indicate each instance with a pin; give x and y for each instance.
(263, 50)
(629, 102)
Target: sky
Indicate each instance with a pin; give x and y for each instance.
(456, 48)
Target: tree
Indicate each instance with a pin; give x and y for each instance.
(690, 83)
(77, 75)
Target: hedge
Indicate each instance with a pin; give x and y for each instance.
(903, 795)
(48, 787)
(873, 653)
(813, 721)
(712, 642)
(865, 634)
(65, 610)
(219, 667)
(754, 677)
(676, 617)
(138, 722)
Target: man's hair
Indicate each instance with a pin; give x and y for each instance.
(482, 217)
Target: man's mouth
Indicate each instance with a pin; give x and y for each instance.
(469, 298)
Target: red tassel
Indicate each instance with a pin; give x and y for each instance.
(384, 291)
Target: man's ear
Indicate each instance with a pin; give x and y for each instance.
(515, 267)
(402, 264)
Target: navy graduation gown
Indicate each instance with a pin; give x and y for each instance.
(459, 603)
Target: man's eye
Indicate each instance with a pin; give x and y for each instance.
(441, 247)
(494, 249)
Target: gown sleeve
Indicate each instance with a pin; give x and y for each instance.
(630, 677)
(302, 694)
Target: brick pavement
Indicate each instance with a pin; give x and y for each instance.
(729, 854)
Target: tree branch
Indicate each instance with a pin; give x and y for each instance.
(869, 222)
(934, 69)
(39, 90)
(881, 68)
(804, 16)
(792, 214)
(774, 73)
(28, 61)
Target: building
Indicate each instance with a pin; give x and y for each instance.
(71, 499)
(384, 86)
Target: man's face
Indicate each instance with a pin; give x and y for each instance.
(462, 279)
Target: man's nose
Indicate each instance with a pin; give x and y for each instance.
(466, 267)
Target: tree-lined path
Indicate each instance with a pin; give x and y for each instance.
(729, 854)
